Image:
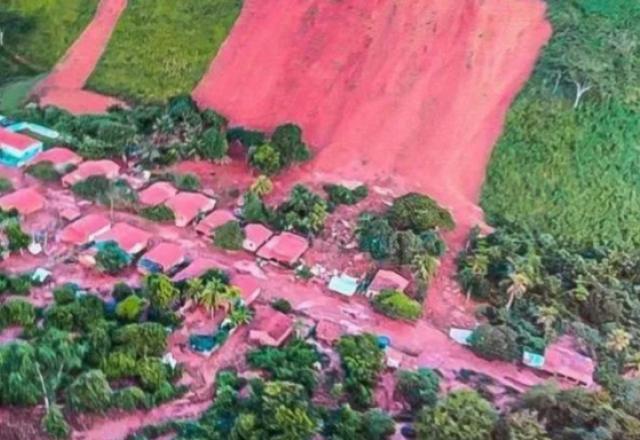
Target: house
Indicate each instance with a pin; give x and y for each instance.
(249, 286)
(387, 280)
(186, 206)
(561, 359)
(17, 149)
(255, 236)
(70, 214)
(285, 248)
(85, 230)
(270, 327)
(196, 269)
(26, 201)
(130, 239)
(343, 284)
(164, 257)
(157, 193)
(105, 168)
(328, 332)
(214, 220)
(61, 158)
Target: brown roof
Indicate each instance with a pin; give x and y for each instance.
(58, 156)
(16, 141)
(85, 229)
(90, 168)
(166, 255)
(286, 248)
(157, 193)
(214, 220)
(561, 359)
(255, 236)
(188, 205)
(270, 327)
(387, 280)
(196, 268)
(249, 287)
(26, 201)
(130, 239)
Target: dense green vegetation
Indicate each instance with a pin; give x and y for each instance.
(341, 195)
(568, 160)
(229, 236)
(162, 48)
(397, 305)
(16, 239)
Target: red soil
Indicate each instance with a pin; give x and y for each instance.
(408, 94)
(63, 86)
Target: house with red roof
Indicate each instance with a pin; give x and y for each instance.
(130, 239)
(270, 327)
(17, 149)
(286, 248)
(157, 193)
(214, 220)
(61, 158)
(85, 230)
(186, 206)
(162, 258)
(106, 168)
(26, 201)
(255, 235)
(387, 280)
(561, 359)
(249, 286)
(196, 269)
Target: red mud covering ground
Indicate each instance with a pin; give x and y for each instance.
(63, 87)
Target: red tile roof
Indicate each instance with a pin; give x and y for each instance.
(157, 193)
(249, 287)
(90, 168)
(58, 156)
(188, 205)
(26, 201)
(166, 255)
(255, 236)
(85, 230)
(286, 248)
(387, 280)
(16, 141)
(561, 359)
(130, 239)
(195, 269)
(270, 327)
(214, 220)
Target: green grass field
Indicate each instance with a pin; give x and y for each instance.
(575, 172)
(13, 95)
(161, 48)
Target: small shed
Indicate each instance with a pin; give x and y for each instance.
(186, 206)
(157, 193)
(270, 327)
(130, 239)
(163, 258)
(387, 280)
(214, 220)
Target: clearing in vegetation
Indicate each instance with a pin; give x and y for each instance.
(568, 161)
(161, 48)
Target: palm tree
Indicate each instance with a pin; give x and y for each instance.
(618, 340)
(240, 316)
(210, 295)
(519, 283)
(426, 267)
(229, 297)
(547, 316)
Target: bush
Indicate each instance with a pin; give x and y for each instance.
(304, 211)
(495, 343)
(45, 171)
(152, 374)
(418, 388)
(111, 259)
(229, 236)
(419, 213)
(261, 186)
(130, 308)
(254, 210)
(374, 235)
(140, 340)
(118, 365)
(341, 195)
(158, 213)
(90, 392)
(129, 398)
(54, 424)
(17, 312)
(282, 305)
(266, 159)
(18, 240)
(93, 188)
(186, 182)
(160, 290)
(377, 425)
(64, 294)
(20, 285)
(212, 144)
(287, 141)
(397, 305)
(363, 361)
(121, 291)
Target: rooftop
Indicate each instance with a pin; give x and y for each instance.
(286, 248)
(165, 255)
(562, 359)
(387, 280)
(186, 206)
(270, 327)
(249, 287)
(58, 156)
(214, 220)
(90, 168)
(195, 269)
(157, 193)
(85, 230)
(16, 141)
(26, 201)
(255, 236)
(328, 331)
(130, 239)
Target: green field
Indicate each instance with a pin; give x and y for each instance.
(161, 48)
(14, 95)
(575, 172)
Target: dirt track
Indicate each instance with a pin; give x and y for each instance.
(63, 87)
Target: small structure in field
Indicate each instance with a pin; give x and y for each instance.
(249, 287)
(255, 236)
(157, 193)
(26, 201)
(387, 280)
(214, 220)
(196, 269)
(343, 284)
(130, 239)
(561, 359)
(328, 332)
(186, 206)
(285, 248)
(61, 158)
(85, 230)
(163, 258)
(17, 149)
(270, 327)
(105, 168)
(460, 335)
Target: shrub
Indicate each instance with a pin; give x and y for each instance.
(397, 305)
(160, 290)
(419, 213)
(495, 342)
(92, 188)
(266, 159)
(130, 308)
(187, 182)
(64, 294)
(111, 259)
(45, 171)
(341, 195)
(254, 210)
(158, 213)
(418, 388)
(121, 291)
(118, 365)
(282, 305)
(362, 360)
(90, 392)
(140, 340)
(54, 424)
(377, 425)
(229, 236)
(18, 240)
(304, 211)
(129, 398)
(152, 374)
(17, 312)
(374, 235)
(20, 285)
(212, 144)
(19, 384)
(261, 186)
(287, 140)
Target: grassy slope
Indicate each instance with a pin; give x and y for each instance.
(575, 173)
(14, 94)
(161, 48)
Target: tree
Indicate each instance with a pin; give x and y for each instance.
(419, 213)
(240, 316)
(377, 425)
(362, 360)
(212, 144)
(304, 211)
(44, 170)
(287, 140)
(374, 235)
(418, 388)
(18, 240)
(90, 392)
(461, 415)
(229, 236)
(254, 210)
(54, 424)
(158, 213)
(160, 290)
(397, 305)
(217, 294)
(261, 186)
(618, 340)
(518, 285)
(266, 159)
(111, 259)
(521, 425)
(186, 182)
(341, 195)
(130, 308)
(495, 343)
